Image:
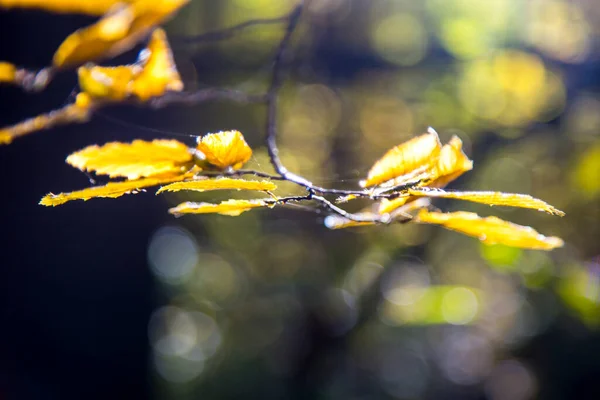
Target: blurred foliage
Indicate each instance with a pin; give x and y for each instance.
(270, 300)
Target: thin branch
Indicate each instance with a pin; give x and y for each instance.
(227, 33)
(204, 95)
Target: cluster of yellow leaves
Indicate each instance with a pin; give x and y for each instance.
(164, 162)
(123, 25)
(427, 167)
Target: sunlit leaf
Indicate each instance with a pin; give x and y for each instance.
(116, 32)
(8, 72)
(387, 206)
(110, 190)
(108, 83)
(78, 112)
(451, 164)
(134, 160)
(89, 7)
(232, 208)
(490, 230)
(201, 185)
(159, 73)
(225, 149)
(491, 198)
(416, 155)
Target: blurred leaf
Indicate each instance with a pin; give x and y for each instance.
(225, 149)
(490, 230)
(414, 305)
(159, 73)
(78, 112)
(134, 160)
(7, 72)
(490, 198)
(414, 155)
(231, 208)
(218, 184)
(89, 7)
(110, 190)
(580, 290)
(116, 32)
(107, 83)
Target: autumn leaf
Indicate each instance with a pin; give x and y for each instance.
(78, 112)
(202, 185)
(89, 7)
(491, 198)
(451, 164)
(116, 32)
(134, 160)
(389, 205)
(225, 149)
(490, 230)
(108, 83)
(110, 190)
(409, 158)
(231, 208)
(160, 72)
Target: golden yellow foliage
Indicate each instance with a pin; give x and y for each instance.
(225, 149)
(89, 7)
(201, 185)
(491, 198)
(160, 72)
(413, 156)
(134, 160)
(490, 230)
(451, 164)
(77, 112)
(232, 208)
(156, 75)
(8, 72)
(110, 190)
(116, 32)
(387, 206)
(107, 83)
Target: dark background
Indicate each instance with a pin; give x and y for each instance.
(77, 291)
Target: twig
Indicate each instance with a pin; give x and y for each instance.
(204, 95)
(228, 32)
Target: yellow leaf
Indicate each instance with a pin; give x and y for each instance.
(116, 32)
(134, 160)
(8, 72)
(490, 230)
(111, 190)
(89, 7)
(160, 72)
(107, 83)
(491, 198)
(387, 206)
(451, 164)
(416, 155)
(225, 149)
(232, 208)
(77, 112)
(218, 184)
